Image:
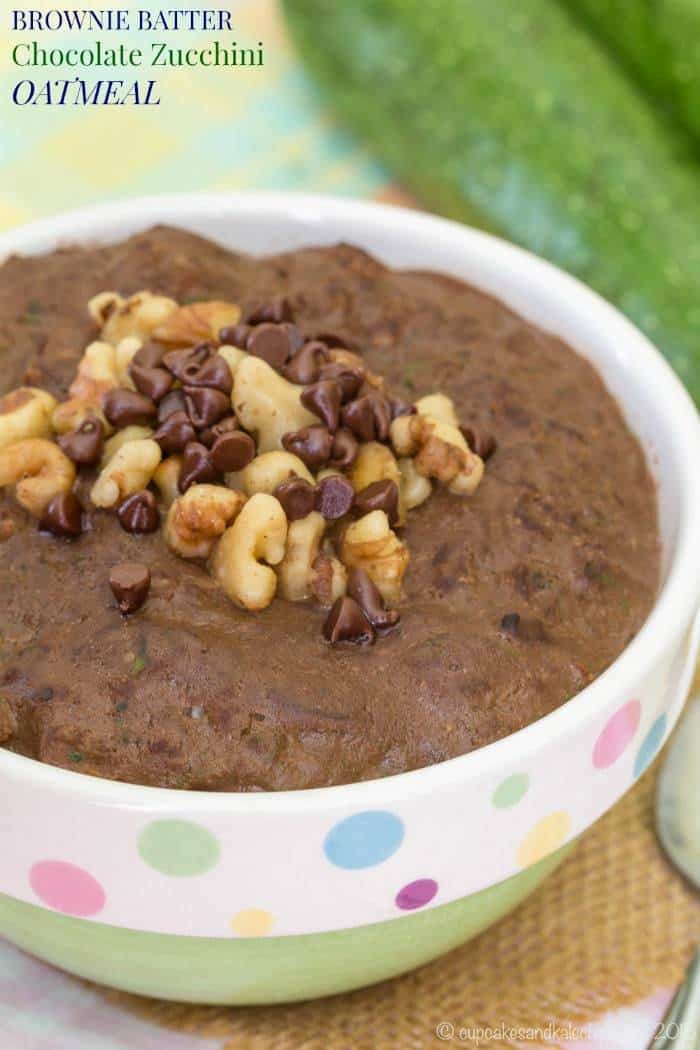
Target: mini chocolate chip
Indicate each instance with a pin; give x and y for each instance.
(225, 426)
(189, 371)
(345, 449)
(232, 451)
(480, 442)
(348, 379)
(397, 407)
(380, 495)
(124, 408)
(334, 497)
(305, 366)
(186, 362)
(214, 373)
(175, 433)
(296, 336)
(510, 623)
(130, 583)
(358, 417)
(311, 444)
(297, 496)
(84, 445)
(382, 416)
(272, 343)
(333, 340)
(346, 622)
(63, 516)
(197, 467)
(171, 403)
(206, 406)
(235, 335)
(367, 595)
(153, 382)
(276, 312)
(149, 356)
(139, 513)
(323, 399)
(368, 417)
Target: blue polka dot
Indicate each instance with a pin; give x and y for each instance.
(650, 745)
(363, 840)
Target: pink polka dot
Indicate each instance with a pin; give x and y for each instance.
(618, 733)
(416, 894)
(67, 888)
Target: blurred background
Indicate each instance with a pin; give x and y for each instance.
(264, 128)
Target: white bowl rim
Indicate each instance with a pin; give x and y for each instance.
(676, 604)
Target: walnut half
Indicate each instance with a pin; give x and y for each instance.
(439, 451)
(371, 544)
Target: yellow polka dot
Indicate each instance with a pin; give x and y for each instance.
(253, 922)
(547, 835)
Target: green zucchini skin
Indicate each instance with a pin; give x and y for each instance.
(659, 42)
(514, 112)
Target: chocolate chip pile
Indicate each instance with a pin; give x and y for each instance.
(281, 461)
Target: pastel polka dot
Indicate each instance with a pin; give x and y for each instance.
(178, 847)
(416, 894)
(67, 888)
(650, 745)
(617, 735)
(364, 839)
(547, 835)
(510, 791)
(252, 922)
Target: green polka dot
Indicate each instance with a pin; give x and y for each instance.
(178, 847)
(510, 791)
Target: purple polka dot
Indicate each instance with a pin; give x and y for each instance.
(617, 735)
(67, 888)
(416, 894)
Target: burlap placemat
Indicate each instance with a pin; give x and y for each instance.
(611, 926)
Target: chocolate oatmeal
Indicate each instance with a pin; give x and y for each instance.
(293, 521)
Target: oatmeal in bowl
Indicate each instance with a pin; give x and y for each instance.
(350, 576)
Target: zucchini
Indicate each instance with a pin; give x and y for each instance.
(515, 112)
(659, 43)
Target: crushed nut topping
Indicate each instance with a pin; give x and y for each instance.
(279, 460)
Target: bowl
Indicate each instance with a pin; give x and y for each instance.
(261, 898)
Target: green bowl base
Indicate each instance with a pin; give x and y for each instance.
(256, 970)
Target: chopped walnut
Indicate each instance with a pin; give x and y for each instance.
(329, 580)
(327, 460)
(371, 544)
(197, 323)
(97, 373)
(196, 520)
(137, 316)
(295, 571)
(440, 451)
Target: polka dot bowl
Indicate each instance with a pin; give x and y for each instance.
(261, 898)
